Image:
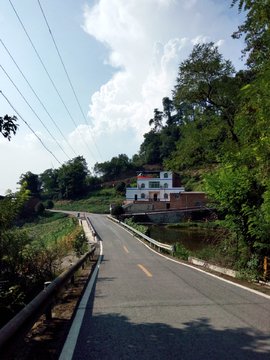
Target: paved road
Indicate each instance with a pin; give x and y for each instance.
(144, 306)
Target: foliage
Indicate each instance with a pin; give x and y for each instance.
(181, 252)
(120, 187)
(8, 125)
(256, 31)
(110, 170)
(143, 229)
(117, 210)
(40, 208)
(49, 183)
(33, 182)
(206, 85)
(10, 207)
(72, 177)
(49, 204)
(28, 258)
(79, 242)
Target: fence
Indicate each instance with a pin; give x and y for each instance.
(147, 238)
(15, 330)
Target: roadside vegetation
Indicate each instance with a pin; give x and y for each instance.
(95, 202)
(31, 251)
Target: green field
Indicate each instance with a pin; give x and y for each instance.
(97, 202)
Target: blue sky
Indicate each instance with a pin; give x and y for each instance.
(122, 58)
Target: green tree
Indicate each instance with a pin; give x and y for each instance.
(110, 170)
(207, 94)
(10, 207)
(256, 31)
(72, 177)
(33, 182)
(8, 125)
(49, 183)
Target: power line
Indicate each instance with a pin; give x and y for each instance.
(50, 78)
(36, 95)
(64, 67)
(34, 111)
(30, 128)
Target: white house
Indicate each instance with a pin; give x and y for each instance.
(154, 186)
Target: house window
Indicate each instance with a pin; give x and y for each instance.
(197, 203)
(165, 175)
(166, 186)
(165, 196)
(177, 196)
(142, 186)
(154, 184)
(143, 196)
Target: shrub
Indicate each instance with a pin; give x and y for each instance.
(117, 210)
(79, 243)
(49, 204)
(40, 208)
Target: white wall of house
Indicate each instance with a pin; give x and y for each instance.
(153, 188)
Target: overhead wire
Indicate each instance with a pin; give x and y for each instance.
(68, 77)
(44, 67)
(41, 103)
(33, 111)
(30, 128)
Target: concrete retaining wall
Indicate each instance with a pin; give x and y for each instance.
(219, 269)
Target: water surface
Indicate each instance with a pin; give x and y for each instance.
(192, 239)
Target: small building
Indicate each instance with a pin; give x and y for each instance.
(161, 190)
(154, 186)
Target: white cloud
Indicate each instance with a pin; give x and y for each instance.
(146, 54)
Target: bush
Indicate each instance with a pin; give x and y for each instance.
(181, 252)
(49, 204)
(40, 208)
(120, 187)
(117, 210)
(79, 243)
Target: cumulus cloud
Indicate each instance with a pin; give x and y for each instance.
(147, 41)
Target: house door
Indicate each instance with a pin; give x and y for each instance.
(155, 197)
(136, 197)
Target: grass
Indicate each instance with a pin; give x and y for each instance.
(51, 228)
(97, 202)
(201, 225)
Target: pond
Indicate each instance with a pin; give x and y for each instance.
(192, 239)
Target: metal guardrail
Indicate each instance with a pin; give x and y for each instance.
(91, 227)
(152, 241)
(18, 327)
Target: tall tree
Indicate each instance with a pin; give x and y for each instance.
(33, 182)
(49, 182)
(72, 177)
(206, 97)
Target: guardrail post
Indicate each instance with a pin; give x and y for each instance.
(173, 250)
(72, 278)
(48, 311)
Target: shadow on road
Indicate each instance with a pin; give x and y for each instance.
(113, 336)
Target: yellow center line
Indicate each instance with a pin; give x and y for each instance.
(143, 269)
(126, 249)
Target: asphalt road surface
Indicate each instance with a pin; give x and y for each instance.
(144, 306)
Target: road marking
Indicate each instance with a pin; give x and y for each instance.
(143, 269)
(126, 249)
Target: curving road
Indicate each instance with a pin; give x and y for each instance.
(144, 306)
